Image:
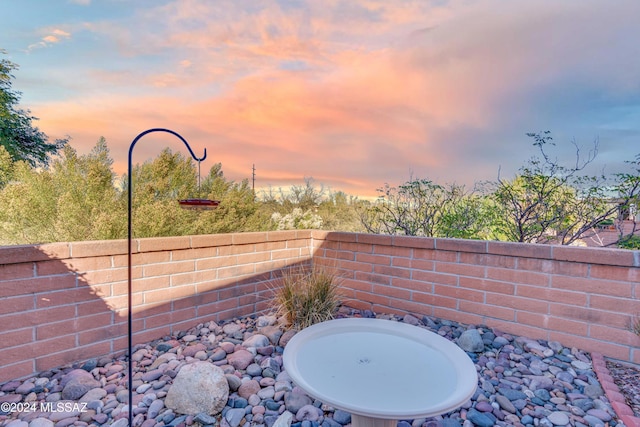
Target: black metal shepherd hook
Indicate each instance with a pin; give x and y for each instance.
(129, 301)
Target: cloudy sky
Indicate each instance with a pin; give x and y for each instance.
(353, 93)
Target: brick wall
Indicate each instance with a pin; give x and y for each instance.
(582, 297)
(64, 302)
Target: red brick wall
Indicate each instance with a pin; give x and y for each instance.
(582, 297)
(65, 302)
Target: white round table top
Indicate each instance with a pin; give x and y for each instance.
(380, 368)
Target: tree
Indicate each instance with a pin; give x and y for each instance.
(420, 207)
(548, 202)
(6, 167)
(18, 135)
(467, 215)
(628, 189)
(87, 201)
(297, 220)
(311, 206)
(157, 186)
(339, 211)
(72, 199)
(238, 209)
(28, 206)
(305, 196)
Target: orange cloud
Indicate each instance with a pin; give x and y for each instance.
(352, 94)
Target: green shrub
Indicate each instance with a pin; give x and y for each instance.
(307, 296)
(631, 242)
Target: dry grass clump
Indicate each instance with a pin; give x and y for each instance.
(634, 325)
(307, 296)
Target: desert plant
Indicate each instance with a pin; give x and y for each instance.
(630, 242)
(307, 296)
(297, 220)
(634, 325)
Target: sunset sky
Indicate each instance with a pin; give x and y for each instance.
(353, 93)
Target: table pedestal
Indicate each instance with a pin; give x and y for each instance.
(362, 421)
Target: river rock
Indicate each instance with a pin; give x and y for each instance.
(231, 328)
(273, 333)
(286, 336)
(76, 383)
(191, 350)
(593, 391)
(233, 381)
(342, 417)
(522, 382)
(284, 420)
(155, 408)
(558, 418)
(69, 409)
(41, 422)
(295, 400)
(308, 413)
(256, 340)
(505, 404)
(198, 387)
(248, 388)
(266, 321)
(479, 419)
(240, 359)
(471, 341)
(234, 416)
(93, 394)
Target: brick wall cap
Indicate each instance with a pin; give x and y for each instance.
(607, 256)
(341, 236)
(98, 248)
(31, 253)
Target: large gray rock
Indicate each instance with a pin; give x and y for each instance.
(76, 383)
(471, 341)
(198, 387)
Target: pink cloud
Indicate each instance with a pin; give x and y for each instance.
(299, 93)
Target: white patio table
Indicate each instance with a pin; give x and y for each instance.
(380, 371)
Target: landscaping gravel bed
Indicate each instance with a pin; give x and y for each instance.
(521, 382)
(627, 378)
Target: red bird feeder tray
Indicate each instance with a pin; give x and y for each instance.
(198, 204)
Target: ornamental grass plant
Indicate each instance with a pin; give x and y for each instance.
(307, 296)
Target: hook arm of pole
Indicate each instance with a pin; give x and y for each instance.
(137, 138)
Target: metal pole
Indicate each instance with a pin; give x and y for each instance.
(129, 234)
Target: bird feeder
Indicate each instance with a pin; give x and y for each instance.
(197, 203)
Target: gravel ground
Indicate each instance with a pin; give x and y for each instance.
(521, 382)
(627, 377)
